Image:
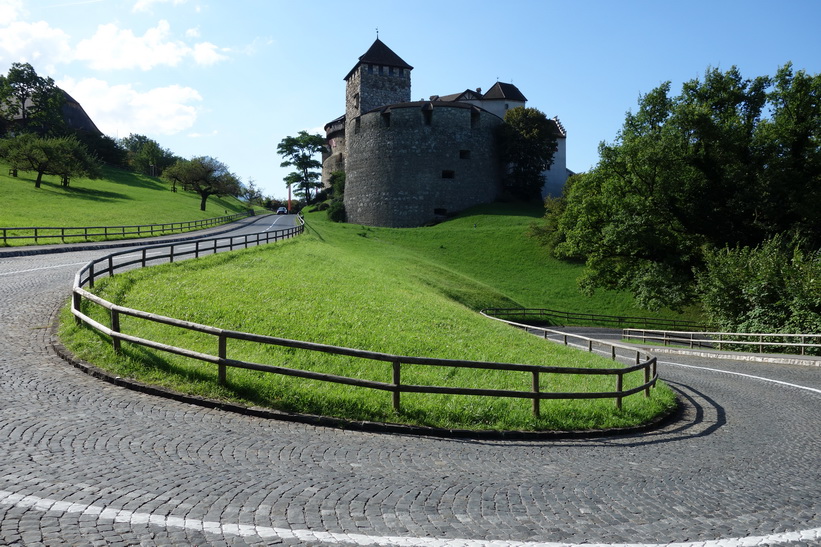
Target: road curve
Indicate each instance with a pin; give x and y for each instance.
(83, 462)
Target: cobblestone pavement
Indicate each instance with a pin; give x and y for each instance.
(83, 462)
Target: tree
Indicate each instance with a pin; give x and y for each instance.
(61, 156)
(251, 193)
(527, 144)
(336, 209)
(36, 101)
(204, 175)
(773, 287)
(299, 153)
(146, 156)
(704, 170)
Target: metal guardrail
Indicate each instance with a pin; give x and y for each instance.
(553, 317)
(722, 340)
(87, 233)
(109, 265)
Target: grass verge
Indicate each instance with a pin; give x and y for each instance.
(120, 198)
(407, 292)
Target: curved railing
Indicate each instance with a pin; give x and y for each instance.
(88, 233)
(113, 263)
(558, 317)
(762, 342)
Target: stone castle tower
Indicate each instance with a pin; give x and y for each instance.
(380, 78)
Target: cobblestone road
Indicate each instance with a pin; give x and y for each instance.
(83, 462)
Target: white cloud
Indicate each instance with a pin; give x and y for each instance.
(120, 109)
(114, 48)
(207, 53)
(147, 5)
(10, 11)
(35, 43)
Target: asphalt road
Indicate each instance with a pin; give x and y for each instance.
(83, 462)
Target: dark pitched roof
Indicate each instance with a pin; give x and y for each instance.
(504, 91)
(76, 116)
(380, 54)
(466, 95)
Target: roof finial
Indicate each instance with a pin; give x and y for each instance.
(377, 33)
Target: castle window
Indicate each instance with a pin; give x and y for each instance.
(386, 119)
(464, 154)
(390, 71)
(448, 174)
(356, 125)
(370, 69)
(474, 118)
(427, 117)
(356, 101)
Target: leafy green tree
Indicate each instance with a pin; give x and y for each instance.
(251, 193)
(729, 162)
(773, 287)
(36, 101)
(146, 156)
(299, 152)
(527, 144)
(204, 175)
(61, 156)
(336, 208)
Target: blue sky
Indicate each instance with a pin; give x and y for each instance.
(230, 79)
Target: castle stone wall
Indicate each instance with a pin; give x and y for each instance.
(408, 164)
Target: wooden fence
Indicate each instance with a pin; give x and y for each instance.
(557, 317)
(111, 264)
(88, 233)
(763, 342)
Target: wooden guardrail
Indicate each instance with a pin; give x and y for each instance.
(110, 264)
(558, 317)
(88, 233)
(763, 342)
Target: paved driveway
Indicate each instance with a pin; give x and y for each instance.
(83, 462)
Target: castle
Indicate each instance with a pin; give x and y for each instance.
(408, 163)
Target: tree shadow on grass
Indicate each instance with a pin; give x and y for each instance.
(81, 193)
(135, 180)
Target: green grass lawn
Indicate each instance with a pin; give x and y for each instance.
(120, 198)
(400, 291)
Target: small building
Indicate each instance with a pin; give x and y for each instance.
(408, 163)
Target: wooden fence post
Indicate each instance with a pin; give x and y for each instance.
(77, 301)
(397, 377)
(647, 380)
(115, 326)
(536, 400)
(619, 385)
(223, 352)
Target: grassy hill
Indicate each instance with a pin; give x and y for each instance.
(119, 198)
(402, 291)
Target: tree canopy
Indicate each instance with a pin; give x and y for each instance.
(65, 157)
(146, 156)
(298, 152)
(31, 101)
(729, 163)
(527, 143)
(204, 175)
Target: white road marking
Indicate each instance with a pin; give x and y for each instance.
(268, 532)
(43, 268)
(762, 378)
